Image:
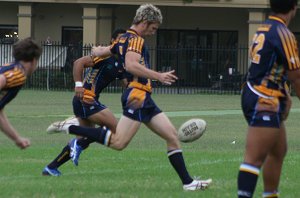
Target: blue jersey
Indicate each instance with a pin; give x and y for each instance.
(131, 41)
(273, 52)
(98, 77)
(15, 79)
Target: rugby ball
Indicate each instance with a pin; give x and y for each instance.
(191, 130)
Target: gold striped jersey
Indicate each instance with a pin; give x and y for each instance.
(131, 41)
(15, 79)
(98, 77)
(273, 52)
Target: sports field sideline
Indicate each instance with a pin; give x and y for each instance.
(172, 114)
(142, 169)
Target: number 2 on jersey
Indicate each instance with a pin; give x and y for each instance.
(257, 45)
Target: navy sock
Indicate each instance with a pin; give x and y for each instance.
(247, 180)
(62, 158)
(177, 161)
(84, 142)
(100, 135)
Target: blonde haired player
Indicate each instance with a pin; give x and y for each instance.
(138, 105)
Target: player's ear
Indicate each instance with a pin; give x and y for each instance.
(145, 23)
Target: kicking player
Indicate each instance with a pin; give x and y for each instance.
(12, 77)
(86, 106)
(138, 105)
(266, 101)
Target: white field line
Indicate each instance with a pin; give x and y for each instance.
(71, 172)
(170, 114)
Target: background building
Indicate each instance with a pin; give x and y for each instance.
(91, 21)
(212, 36)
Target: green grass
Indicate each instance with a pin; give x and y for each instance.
(142, 169)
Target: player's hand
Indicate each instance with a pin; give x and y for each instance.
(168, 78)
(79, 92)
(22, 143)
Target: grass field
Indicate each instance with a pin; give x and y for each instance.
(143, 169)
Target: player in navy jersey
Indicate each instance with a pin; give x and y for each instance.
(138, 105)
(86, 106)
(266, 101)
(13, 76)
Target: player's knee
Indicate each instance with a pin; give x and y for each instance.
(173, 140)
(119, 145)
(282, 153)
(257, 162)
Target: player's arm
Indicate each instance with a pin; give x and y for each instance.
(294, 78)
(124, 83)
(133, 66)
(290, 57)
(11, 132)
(288, 102)
(2, 81)
(101, 51)
(78, 67)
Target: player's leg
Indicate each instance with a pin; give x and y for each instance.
(260, 140)
(126, 129)
(263, 114)
(52, 168)
(78, 144)
(103, 118)
(273, 165)
(87, 113)
(161, 125)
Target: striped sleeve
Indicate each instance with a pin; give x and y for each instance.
(290, 48)
(113, 47)
(97, 60)
(14, 78)
(136, 44)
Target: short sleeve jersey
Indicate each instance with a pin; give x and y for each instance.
(273, 52)
(15, 79)
(132, 42)
(98, 77)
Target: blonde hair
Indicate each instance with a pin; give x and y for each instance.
(149, 13)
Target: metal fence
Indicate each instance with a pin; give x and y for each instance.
(200, 70)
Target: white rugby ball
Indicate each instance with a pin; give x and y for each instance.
(191, 130)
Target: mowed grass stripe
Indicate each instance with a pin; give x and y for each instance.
(170, 114)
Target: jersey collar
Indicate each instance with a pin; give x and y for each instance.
(276, 18)
(132, 32)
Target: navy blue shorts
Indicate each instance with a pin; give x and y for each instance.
(261, 111)
(138, 105)
(84, 110)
